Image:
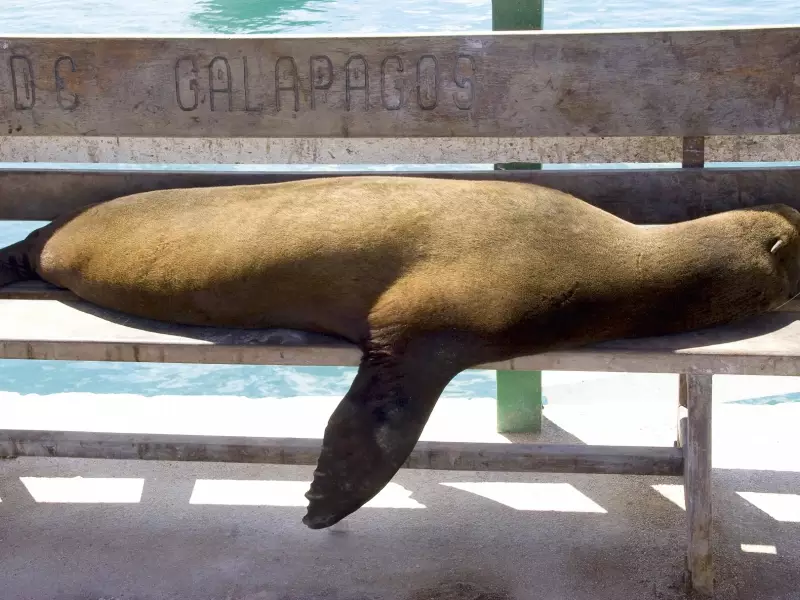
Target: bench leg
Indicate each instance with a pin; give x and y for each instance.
(695, 393)
(519, 401)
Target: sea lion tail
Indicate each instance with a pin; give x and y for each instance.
(15, 264)
(372, 432)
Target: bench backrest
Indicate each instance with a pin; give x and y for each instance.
(682, 96)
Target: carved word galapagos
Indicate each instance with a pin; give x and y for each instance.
(400, 82)
(398, 78)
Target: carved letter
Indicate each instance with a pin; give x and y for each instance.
(220, 75)
(348, 84)
(295, 85)
(192, 83)
(464, 82)
(317, 76)
(430, 104)
(247, 106)
(29, 85)
(64, 103)
(398, 84)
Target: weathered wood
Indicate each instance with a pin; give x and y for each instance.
(683, 389)
(682, 427)
(36, 290)
(672, 82)
(366, 150)
(645, 196)
(402, 150)
(693, 152)
(52, 330)
(697, 483)
(459, 456)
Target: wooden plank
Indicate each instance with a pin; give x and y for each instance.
(51, 330)
(697, 484)
(458, 456)
(402, 150)
(683, 389)
(673, 82)
(364, 150)
(36, 290)
(645, 196)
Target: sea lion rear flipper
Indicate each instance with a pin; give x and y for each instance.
(370, 435)
(15, 264)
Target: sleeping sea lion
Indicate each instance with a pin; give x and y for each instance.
(427, 276)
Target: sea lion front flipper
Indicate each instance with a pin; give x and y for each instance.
(371, 433)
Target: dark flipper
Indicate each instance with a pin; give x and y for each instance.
(371, 433)
(15, 264)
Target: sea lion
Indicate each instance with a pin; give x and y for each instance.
(427, 276)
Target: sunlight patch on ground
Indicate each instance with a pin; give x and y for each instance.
(556, 497)
(759, 549)
(96, 490)
(781, 507)
(672, 492)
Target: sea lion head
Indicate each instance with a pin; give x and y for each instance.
(717, 269)
(773, 271)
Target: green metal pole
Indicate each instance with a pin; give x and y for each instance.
(511, 15)
(519, 393)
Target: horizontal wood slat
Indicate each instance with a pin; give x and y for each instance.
(363, 150)
(672, 82)
(401, 150)
(449, 456)
(642, 196)
(52, 330)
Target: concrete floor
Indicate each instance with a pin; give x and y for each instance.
(103, 530)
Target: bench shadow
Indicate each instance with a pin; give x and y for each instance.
(215, 335)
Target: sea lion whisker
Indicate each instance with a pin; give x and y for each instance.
(787, 302)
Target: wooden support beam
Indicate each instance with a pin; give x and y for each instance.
(697, 484)
(449, 456)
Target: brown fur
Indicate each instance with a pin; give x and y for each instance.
(428, 276)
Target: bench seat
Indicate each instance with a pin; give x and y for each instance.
(39, 321)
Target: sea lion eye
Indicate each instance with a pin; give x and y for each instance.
(777, 246)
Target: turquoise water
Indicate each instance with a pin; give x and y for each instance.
(328, 16)
(306, 16)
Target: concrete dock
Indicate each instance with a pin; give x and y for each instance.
(109, 530)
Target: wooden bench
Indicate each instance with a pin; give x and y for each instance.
(684, 97)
